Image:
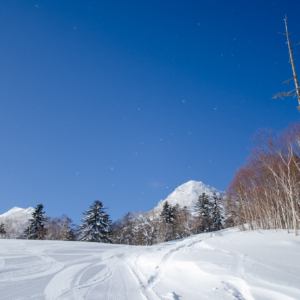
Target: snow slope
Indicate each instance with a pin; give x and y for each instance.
(223, 265)
(16, 220)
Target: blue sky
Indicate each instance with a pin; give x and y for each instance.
(123, 101)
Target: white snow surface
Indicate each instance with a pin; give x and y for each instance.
(228, 264)
(187, 195)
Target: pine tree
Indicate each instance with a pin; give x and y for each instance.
(216, 213)
(202, 211)
(167, 214)
(2, 230)
(96, 224)
(36, 230)
(167, 228)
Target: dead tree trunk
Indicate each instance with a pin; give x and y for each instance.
(295, 92)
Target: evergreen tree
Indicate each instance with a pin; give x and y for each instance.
(96, 224)
(216, 213)
(167, 214)
(2, 230)
(36, 230)
(202, 211)
(167, 227)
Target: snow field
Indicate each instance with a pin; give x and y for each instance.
(228, 264)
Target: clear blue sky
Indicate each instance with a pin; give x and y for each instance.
(123, 101)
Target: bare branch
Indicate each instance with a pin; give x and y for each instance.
(285, 94)
(288, 80)
(291, 61)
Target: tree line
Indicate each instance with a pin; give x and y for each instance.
(174, 222)
(265, 192)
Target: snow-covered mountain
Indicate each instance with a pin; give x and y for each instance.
(16, 220)
(17, 213)
(187, 195)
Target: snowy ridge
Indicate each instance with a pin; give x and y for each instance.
(16, 220)
(187, 194)
(18, 213)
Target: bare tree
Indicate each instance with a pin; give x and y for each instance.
(295, 92)
(14, 228)
(182, 222)
(67, 232)
(265, 191)
(54, 227)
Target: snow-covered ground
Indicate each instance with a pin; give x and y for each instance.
(224, 265)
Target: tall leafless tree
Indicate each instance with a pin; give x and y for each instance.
(295, 92)
(265, 191)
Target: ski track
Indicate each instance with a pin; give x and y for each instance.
(76, 270)
(147, 285)
(109, 279)
(153, 280)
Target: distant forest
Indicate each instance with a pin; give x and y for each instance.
(173, 222)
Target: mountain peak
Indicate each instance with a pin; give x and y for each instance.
(187, 194)
(16, 220)
(17, 211)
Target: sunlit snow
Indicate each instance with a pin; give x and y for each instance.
(222, 265)
(187, 195)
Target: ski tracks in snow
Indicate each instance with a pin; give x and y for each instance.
(66, 270)
(147, 284)
(205, 266)
(108, 279)
(153, 280)
(233, 286)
